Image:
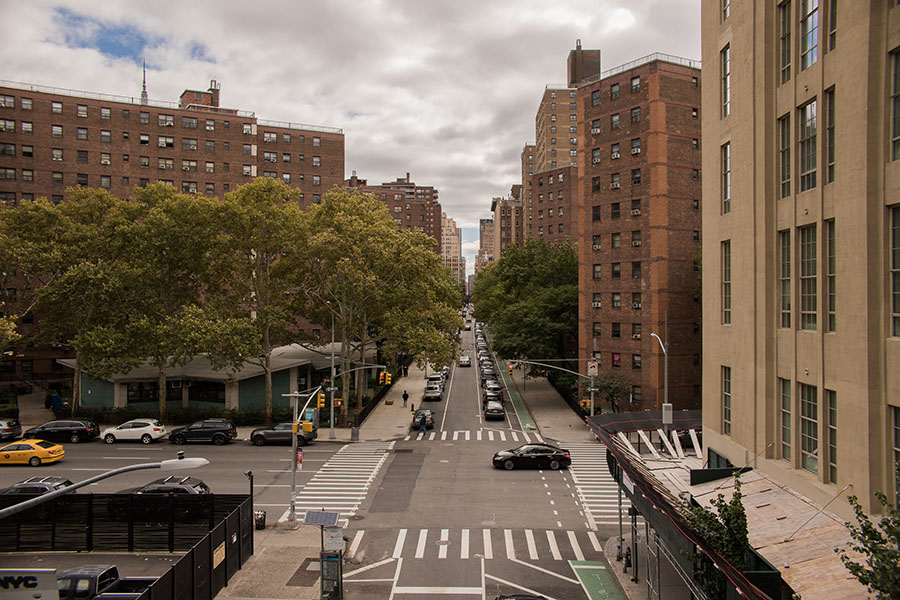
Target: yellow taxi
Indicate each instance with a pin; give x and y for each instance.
(31, 452)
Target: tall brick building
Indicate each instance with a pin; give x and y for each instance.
(638, 226)
(52, 139)
(485, 244)
(451, 249)
(507, 217)
(552, 203)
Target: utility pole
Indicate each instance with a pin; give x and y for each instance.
(331, 385)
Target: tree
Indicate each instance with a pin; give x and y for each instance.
(612, 387)
(879, 544)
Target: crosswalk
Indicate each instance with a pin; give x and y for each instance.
(470, 544)
(483, 434)
(598, 492)
(341, 484)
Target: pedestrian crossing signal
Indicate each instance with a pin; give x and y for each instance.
(320, 400)
(381, 378)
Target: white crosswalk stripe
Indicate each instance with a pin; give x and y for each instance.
(482, 434)
(341, 484)
(468, 544)
(597, 490)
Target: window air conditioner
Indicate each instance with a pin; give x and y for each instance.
(614, 185)
(595, 131)
(635, 212)
(595, 304)
(104, 162)
(635, 150)
(596, 160)
(193, 146)
(210, 128)
(636, 336)
(162, 144)
(636, 243)
(595, 247)
(614, 155)
(167, 124)
(635, 305)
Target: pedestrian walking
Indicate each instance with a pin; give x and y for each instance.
(406, 370)
(422, 429)
(405, 398)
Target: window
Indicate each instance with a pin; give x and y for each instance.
(636, 114)
(616, 300)
(316, 180)
(615, 210)
(27, 151)
(808, 277)
(189, 165)
(636, 175)
(617, 270)
(165, 141)
(105, 135)
(285, 157)
(726, 9)
(725, 60)
(807, 117)
(286, 177)
(636, 395)
(270, 137)
(635, 85)
(613, 91)
(126, 114)
(189, 122)
(615, 240)
(210, 167)
(597, 300)
(614, 121)
(726, 282)
(144, 139)
(895, 101)
(596, 213)
(27, 175)
(726, 400)
(56, 131)
(270, 156)
(105, 181)
(784, 246)
(189, 187)
(695, 113)
(7, 101)
(10, 125)
(636, 146)
(636, 362)
(57, 177)
(595, 98)
(695, 144)
(636, 270)
(726, 178)
(8, 149)
(248, 170)
(270, 174)
(829, 135)
(210, 189)
(105, 158)
(830, 283)
(317, 161)
(56, 107)
(56, 154)
(209, 146)
(809, 428)
(784, 386)
(831, 433)
(784, 154)
(895, 271)
(81, 133)
(316, 142)
(784, 38)
(144, 161)
(166, 164)
(145, 117)
(25, 103)
(809, 33)
(597, 329)
(188, 144)
(7, 174)
(832, 25)
(616, 360)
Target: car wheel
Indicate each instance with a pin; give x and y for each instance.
(259, 440)
(178, 439)
(218, 440)
(509, 465)
(146, 439)
(74, 438)
(109, 438)
(34, 461)
(554, 465)
(301, 441)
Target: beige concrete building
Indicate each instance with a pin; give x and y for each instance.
(801, 244)
(507, 217)
(451, 249)
(485, 244)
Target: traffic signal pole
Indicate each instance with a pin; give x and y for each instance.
(295, 397)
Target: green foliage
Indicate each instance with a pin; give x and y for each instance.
(725, 530)
(611, 387)
(879, 544)
(529, 299)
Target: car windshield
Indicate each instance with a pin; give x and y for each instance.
(44, 444)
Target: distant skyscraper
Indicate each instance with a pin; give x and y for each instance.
(451, 249)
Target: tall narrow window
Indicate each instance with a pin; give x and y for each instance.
(726, 80)
(832, 25)
(829, 136)
(809, 428)
(808, 277)
(726, 400)
(785, 388)
(784, 154)
(895, 271)
(726, 178)
(895, 101)
(831, 407)
(784, 250)
(807, 117)
(809, 33)
(726, 9)
(726, 282)
(830, 282)
(784, 38)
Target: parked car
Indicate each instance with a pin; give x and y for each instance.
(35, 486)
(494, 410)
(280, 434)
(492, 384)
(432, 393)
(423, 414)
(217, 431)
(65, 430)
(89, 581)
(151, 504)
(435, 379)
(142, 430)
(10, 429)
(531, 456)
(465, 361)
(173, 484)
(31, 452)
(491, 396)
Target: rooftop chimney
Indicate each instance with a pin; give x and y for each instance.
(214, 92)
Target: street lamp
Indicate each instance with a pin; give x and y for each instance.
(173, 464)
(666, 407)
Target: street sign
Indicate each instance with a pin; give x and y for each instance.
(334, 539)
(592, 368)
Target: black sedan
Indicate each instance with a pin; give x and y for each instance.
(533, 456)
(494, 410)
(65, 430)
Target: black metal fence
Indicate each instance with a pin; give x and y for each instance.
(214, 531)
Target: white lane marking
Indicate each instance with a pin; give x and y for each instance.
(368, 567)
(502, 436)
(445, 538)
(428, 589)
(510, 549)
(521, 587)
(420, 547)
(594, 542)
(354, 545)
(447, 403)
(490, 435)
(443, 435)
(525, 435)
(579, 555)
(430, 437)
(478, 435)
(515, 438)
(488, 545)
(456, 435)
(467, 435)
(532, 548)
(464, 544)
(547, 571)
(554, 548)
(398, 547)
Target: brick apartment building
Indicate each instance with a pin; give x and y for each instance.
(412, 206)
(638, 226)
(451, 249)
(52, 139)
(552, 203)
(485, 244)
(507, 217)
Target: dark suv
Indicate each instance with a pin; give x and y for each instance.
(35, 486)
(217, 431)
(65, 430)
(170, 497)
(171, 485)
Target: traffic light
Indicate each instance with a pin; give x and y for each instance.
(381, 378)
(510, 369)
(320, 400)
(387, 379)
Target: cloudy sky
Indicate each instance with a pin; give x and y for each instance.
(443, 89)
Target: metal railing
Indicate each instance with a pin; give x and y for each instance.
(300, 126)
(669, 58)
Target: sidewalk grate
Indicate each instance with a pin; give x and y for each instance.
(402, 450)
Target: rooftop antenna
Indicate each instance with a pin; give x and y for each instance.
(144, 98)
